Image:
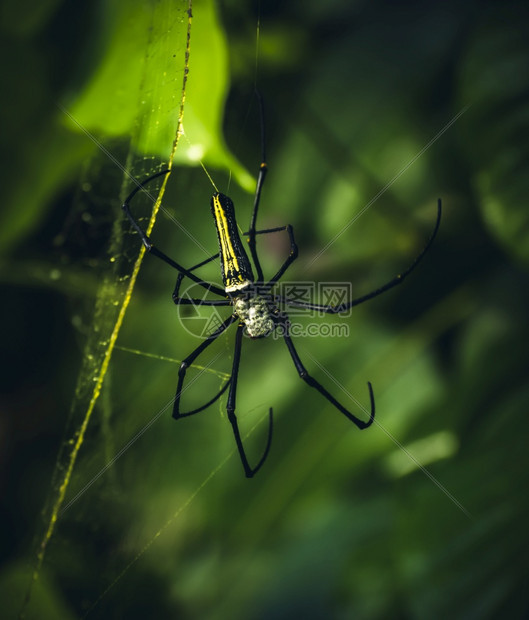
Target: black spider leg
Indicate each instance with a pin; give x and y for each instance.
(189, 360)
(183, 301)
(265, 289)
(302, 371)
(382, 289)
(263, 168)
(290, 258)
(154, 250)
(226, 302)
(230, 408)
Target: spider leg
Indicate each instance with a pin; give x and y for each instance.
(382, 289)
(189, 360)
(230, 408)
(188, 301)
(252, 233)
(293, 250)
(140, 187)
(183, 301)
(154, 250)
(302, 371)
(263, 168)
(181, 276)
(290, 258)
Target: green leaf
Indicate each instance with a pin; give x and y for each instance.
(137, 92)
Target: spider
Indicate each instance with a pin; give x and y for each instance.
(256, 309)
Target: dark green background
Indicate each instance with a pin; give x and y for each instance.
(338, 523)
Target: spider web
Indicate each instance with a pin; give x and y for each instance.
(101, 437)
(162, 30)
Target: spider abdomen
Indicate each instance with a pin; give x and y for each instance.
(235, 266)
(256, 315)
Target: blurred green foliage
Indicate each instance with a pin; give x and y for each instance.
(338, 523)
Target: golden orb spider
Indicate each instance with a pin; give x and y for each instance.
(256, 308)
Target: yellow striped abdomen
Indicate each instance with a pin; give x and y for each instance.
(236, 268)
